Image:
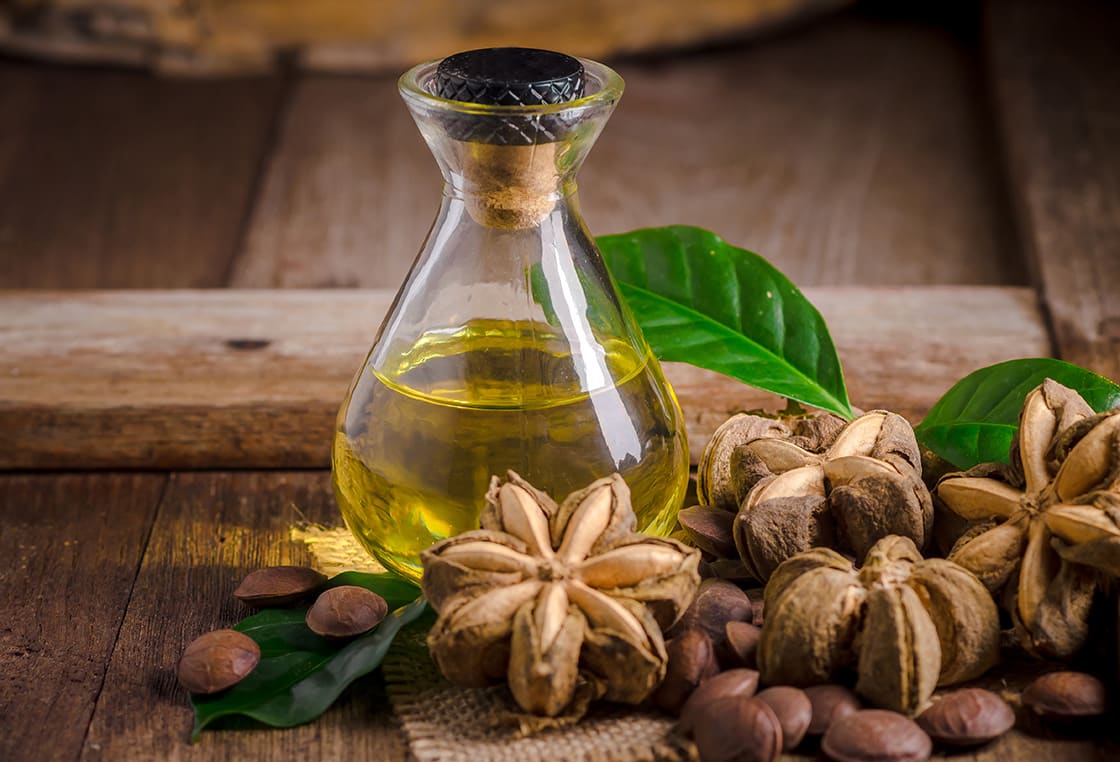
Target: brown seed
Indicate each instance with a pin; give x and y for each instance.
(691, 660)
(733, 682)
(876, 735)
(217, 660)
(278, 586)
(346, 611)
(738, 729)
(716, 603)
(792, 708)
(709, 528)
(830, 702)
(967, 717)
(1066, 695)
(741, 644)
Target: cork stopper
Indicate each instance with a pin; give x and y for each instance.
(510, 159)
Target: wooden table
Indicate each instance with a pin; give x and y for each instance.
(947, 189)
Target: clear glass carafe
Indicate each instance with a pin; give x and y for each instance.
(508, 346)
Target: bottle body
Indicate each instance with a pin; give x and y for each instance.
(507, 348)
(414, 453)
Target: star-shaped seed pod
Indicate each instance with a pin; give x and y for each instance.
(865, 486)
(548, 597)
(719, 481)
(1047, 523)
(906, 624)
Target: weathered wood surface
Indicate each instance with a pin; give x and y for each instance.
(853, 152)
(70, 549)
(94, 632)
(211, 530)
(110, 179)
(1055, 70)
(254, 378)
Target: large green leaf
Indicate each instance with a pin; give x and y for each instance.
(975, 421)
(300, 673)
(701, 301)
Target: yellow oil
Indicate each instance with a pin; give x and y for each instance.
(418, 439)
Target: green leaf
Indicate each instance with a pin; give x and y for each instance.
(395, 590)
(300, 673)
(975, 421)
(701, 301)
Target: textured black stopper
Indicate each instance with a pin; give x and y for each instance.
(509, 77)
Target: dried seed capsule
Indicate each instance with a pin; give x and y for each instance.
(733, 682)
(691, 660)
(346, 611)
(740, 645)
(876, 735)
(794, 711)
(217, 660)
(278, 586)
(830, 703)
(1066, 695)
(738, 729)
(967, 717)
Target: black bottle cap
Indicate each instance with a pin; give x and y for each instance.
(509, 77)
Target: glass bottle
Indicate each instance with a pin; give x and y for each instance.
(508, 346)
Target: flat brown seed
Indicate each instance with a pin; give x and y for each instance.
(830, 702)
(346, 611)
(717, 602)
(794, 711)
(278, 585)
(876, 735)
(1066, 695)
(691, 660)
(733, 682)
(967, 717)
(709, 528)
(217, 660)
(741, 644)
(738, 729)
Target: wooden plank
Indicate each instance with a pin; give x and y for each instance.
(853, 152)
(212, 529)
(345, 201)
(111, 179)
(1055, 70)
(71, 548)
(254, 378)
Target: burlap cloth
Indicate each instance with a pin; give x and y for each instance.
(450, 724)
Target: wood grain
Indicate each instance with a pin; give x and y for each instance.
(853, 152)
(212, 529)
(254, 378)
(1055, 69)
(346, 200)
(71, 548)
(112, 179)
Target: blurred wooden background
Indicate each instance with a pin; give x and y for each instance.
(856, 148)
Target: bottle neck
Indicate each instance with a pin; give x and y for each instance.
(510, 187)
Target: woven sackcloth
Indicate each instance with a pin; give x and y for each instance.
(451, 724)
